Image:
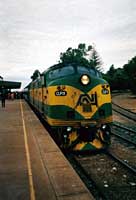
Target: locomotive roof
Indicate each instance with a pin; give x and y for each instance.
(53, 67)
(66, 65)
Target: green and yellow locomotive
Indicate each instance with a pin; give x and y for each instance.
(76, 103)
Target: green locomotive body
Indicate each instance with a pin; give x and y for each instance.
(76, 103)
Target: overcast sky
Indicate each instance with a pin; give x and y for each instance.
(33, 33)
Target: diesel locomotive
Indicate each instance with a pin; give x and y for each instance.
(76, 103)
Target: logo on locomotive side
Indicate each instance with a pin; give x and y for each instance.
(87, 99)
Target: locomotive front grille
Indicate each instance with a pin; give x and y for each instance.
(87, 108)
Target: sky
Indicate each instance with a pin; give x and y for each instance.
(33, 33)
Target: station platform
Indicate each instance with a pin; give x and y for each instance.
(32, 167)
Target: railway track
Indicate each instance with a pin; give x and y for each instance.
(124, 144)
(111, 177)
(123, 111)
(86, 177)
(122, 162)
(124, 133)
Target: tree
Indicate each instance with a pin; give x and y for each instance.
(111, 71)
(73, 56)
(83, 55)
(95, 60)
(130, 69)
(109, 76)
(117, 78)
(123, 78)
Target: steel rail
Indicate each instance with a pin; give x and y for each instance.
(86, 177)
(123, 138)
(126, 113)
(121, 162)
(124, 108)
(124, 127)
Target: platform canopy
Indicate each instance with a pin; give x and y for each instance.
(9, 85)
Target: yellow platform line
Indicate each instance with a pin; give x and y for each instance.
(31, 184)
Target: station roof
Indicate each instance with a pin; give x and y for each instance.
(9, 84)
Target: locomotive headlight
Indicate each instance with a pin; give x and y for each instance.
(69, 129)
(104, 126)
(85, 79)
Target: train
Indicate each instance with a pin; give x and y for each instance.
(75, 101)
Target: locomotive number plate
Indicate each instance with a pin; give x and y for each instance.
(60, 93)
